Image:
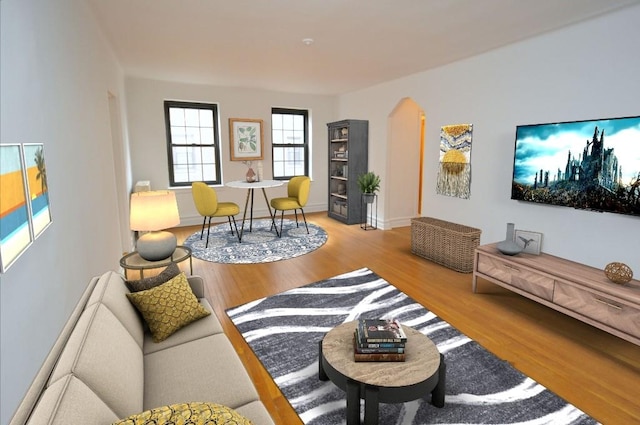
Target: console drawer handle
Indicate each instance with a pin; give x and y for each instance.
(510, 267)
(608, 304)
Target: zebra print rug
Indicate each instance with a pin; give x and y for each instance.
(284, 331)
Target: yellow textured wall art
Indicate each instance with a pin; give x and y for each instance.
(454, 172)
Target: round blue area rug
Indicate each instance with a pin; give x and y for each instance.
(261, 245)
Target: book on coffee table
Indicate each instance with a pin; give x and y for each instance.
(381, 357)
(372, 331)
(379, 340)
(376, 355)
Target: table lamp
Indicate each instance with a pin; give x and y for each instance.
(153, 212)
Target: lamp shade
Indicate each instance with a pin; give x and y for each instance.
(153, 210)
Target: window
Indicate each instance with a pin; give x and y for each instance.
(193, 146)
(290, 142)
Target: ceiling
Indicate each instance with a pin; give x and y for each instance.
(356, 43)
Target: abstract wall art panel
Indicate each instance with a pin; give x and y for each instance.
(15, 231)
(24, 199)
(454, 171)
(37, 186)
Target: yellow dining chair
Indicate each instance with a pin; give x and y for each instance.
(297, 196)
(206, 200)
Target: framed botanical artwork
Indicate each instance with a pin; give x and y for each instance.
(531, 242)
(246, 138)
(15, 225)
(37, 187)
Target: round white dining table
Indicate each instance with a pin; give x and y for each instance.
(262, 184)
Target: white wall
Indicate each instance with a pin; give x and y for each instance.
(56, 73)
(581, 72)
(145, 105)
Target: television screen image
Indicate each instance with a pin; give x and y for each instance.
(591, 164)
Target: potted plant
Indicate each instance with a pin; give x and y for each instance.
(369, 184)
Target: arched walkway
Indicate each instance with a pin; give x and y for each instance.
(405, 147)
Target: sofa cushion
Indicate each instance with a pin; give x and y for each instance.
(111, 291)
(204, 369)
(209, 325)
(151, 282)
(196, 413)
(168, 307)
(197, 285)
(103, 354)
(70, 401)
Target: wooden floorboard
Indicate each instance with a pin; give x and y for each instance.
(596, 371)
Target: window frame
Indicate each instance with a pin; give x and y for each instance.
(168, 104)
(306, 145)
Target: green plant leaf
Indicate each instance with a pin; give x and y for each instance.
(368, 182)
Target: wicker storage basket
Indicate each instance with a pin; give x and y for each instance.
(449, 244)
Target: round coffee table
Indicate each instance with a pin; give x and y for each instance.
(421, 373)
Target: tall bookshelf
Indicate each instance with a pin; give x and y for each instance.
(348, 158)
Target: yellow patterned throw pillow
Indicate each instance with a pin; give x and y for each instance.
(195, 413)
(168, 307)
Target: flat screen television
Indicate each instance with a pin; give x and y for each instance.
(591, 164)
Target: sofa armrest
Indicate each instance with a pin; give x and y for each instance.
(39, 383)
(197, 285)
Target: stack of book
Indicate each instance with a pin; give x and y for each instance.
(379, 340)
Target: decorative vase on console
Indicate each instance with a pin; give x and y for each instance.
(509, 246)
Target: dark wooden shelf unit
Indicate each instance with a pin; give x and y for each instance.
(348, 158)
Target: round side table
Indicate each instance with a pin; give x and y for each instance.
(133, 261)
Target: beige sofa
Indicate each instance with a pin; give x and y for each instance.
(105, 365)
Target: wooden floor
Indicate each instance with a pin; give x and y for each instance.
(590, 368)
